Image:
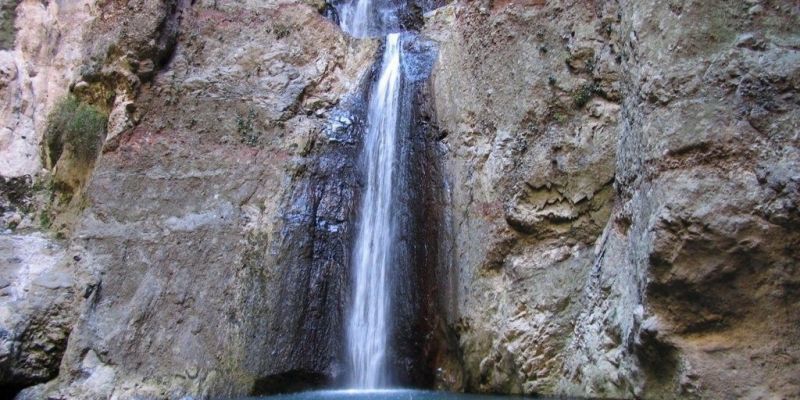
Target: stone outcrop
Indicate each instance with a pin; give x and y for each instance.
(530, 157)
(605, 194)
(187, 224)
(40, 55)
(623, 180)
(37, 294)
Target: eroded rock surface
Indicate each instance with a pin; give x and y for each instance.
(37, 297)
(623, 183)
(41, 53)
(531, 145)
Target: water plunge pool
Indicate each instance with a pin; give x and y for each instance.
(390, 394)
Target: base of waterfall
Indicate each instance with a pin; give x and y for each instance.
(390, 394)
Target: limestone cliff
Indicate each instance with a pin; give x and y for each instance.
(607, 197)
(624, 182)
(185, 228)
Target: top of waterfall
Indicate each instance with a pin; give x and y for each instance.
(369, 18)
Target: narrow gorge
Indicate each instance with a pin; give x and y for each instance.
(215, 199)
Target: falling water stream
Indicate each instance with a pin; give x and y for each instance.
(353, 17)
(376, 248)
(368, 324)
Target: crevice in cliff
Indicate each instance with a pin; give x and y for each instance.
(289, 382)
(660, 362)
(9, 392)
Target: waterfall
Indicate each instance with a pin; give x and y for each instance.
(368, 328)
(382, 251)
(368, 18)
(354, 17)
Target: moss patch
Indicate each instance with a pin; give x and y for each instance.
(76, 125)
(583, 94)
(247, 132)
(8, 16)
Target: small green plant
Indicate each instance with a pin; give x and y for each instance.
(584, 93)
(281, 31)
(244, 125)
(76, 124)
(44, 220)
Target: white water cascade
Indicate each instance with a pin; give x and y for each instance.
(368, 327)
(369, 18)
(354, 17)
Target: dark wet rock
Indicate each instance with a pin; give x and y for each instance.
(417, 309)
(313, 258)
(16, 199)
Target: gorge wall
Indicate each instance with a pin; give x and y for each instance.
(623, 180)
(615, 211)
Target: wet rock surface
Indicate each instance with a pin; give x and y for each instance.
(418, 338)
(313, 255)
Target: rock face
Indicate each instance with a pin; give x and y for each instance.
(198, 214)
(624, 195)
(218, 113)
(530, 161)
(418, 338)
(41, 51)
(36, 313)
(603, 202)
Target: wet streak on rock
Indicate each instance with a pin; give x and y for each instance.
(417, 310)
(306, 337)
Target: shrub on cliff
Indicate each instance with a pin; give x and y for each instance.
(76, 124)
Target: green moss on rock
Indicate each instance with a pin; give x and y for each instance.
(8, 17)
(583, 94)
(77, 125)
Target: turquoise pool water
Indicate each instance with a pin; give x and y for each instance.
(388, 394)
